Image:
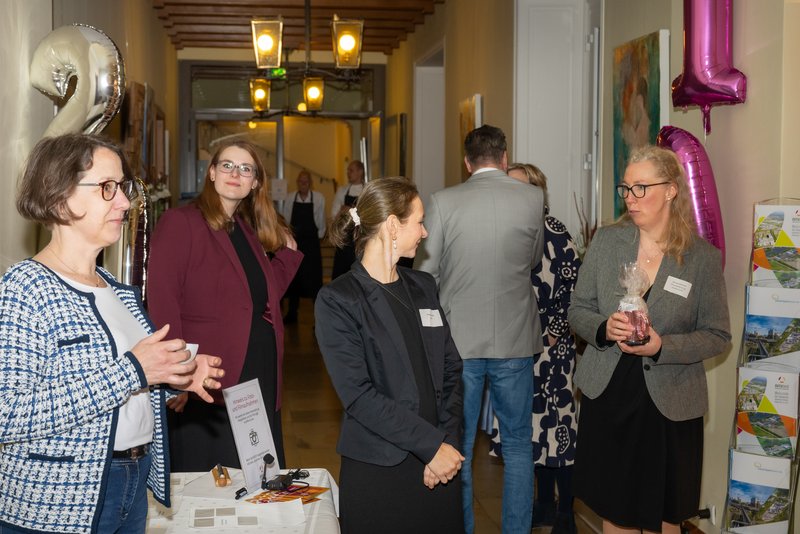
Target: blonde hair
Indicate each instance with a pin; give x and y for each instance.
(379, 199)
(256, 208)
(681, 227)
(535, 176)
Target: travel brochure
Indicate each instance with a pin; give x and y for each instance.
(761, 478)
(306, 494)
(766, 412)
(772, 328)
(776, 238)
(759, 497)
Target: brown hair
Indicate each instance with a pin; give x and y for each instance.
(54, 167)
(535, 176)
(681, 227)
(485, 144)
(379, 199)
(256, 208)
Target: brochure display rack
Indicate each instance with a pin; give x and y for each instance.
(763, 464)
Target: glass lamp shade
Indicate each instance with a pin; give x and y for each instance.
(267, 41)
(259, 94)
(313, 93)
(347, 39)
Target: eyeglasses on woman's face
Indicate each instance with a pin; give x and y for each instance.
(108, 188)
(245, 169)
(638, 190)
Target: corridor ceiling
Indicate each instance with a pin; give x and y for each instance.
(226, 23)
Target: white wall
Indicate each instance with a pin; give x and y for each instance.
(26, 114)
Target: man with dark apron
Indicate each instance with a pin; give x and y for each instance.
(305, 211)
(345, 256)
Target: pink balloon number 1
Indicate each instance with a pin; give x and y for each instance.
(708, 77)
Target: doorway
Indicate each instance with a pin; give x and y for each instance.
(429, 123)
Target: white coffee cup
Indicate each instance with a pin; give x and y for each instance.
(192, 348)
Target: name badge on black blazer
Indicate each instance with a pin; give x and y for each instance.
(430, 317)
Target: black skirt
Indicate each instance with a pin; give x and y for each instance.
(378, 499)
(633, 466)
(201, 436)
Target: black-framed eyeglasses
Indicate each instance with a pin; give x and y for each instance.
(108, 188)
(638, 190)
(245, 169)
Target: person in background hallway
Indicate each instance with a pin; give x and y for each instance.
(555, 423)
(83, 375)
(345, 199)
(388, 350)
(638, 463)
(305, 211)
(218, 269)
(485, 236)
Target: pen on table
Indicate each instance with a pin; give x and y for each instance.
(241, 492)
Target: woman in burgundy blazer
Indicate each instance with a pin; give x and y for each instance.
(212, 280)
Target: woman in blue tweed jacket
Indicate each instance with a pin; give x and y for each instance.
(82, 374)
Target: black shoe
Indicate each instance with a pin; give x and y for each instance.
(564, 524)
(544, 514)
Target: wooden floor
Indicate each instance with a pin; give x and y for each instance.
(312, 413)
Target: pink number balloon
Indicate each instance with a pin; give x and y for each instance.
(708, 77)
(700, 177)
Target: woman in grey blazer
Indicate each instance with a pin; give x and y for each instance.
(387, 347)
(640, 440)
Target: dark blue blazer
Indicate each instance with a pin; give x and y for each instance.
(368, 362)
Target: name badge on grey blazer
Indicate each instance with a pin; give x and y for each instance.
(678, 286)
(430, 317)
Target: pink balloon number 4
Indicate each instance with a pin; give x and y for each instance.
(708, 77)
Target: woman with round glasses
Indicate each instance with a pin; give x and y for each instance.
(218, 269)
(83, 374)
(640, 442)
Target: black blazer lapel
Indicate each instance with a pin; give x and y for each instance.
(379, 308)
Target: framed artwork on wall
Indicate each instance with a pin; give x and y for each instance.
(641, 98)
(470, 115)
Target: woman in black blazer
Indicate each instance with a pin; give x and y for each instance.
(387, 346)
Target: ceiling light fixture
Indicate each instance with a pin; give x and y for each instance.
(347, 39)
(259, 94)
(267, 42)
(313, 92)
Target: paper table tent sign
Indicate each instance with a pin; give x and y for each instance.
(251, 432)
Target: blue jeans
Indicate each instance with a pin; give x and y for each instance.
(511, 391)
(125, 506)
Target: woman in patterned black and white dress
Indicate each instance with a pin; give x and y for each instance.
(555, 424)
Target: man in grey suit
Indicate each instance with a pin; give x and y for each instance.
(484, 237)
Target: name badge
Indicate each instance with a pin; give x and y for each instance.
(678, 286)
(430, 317)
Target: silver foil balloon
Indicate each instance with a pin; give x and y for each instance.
(134, 242)
(88, 54)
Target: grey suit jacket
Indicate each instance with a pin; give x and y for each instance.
(692, 328)
(484, 237)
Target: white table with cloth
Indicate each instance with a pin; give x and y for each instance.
(198, 506)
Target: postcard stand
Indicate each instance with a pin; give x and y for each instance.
(763, 458)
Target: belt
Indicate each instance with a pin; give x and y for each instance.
(134, 453)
